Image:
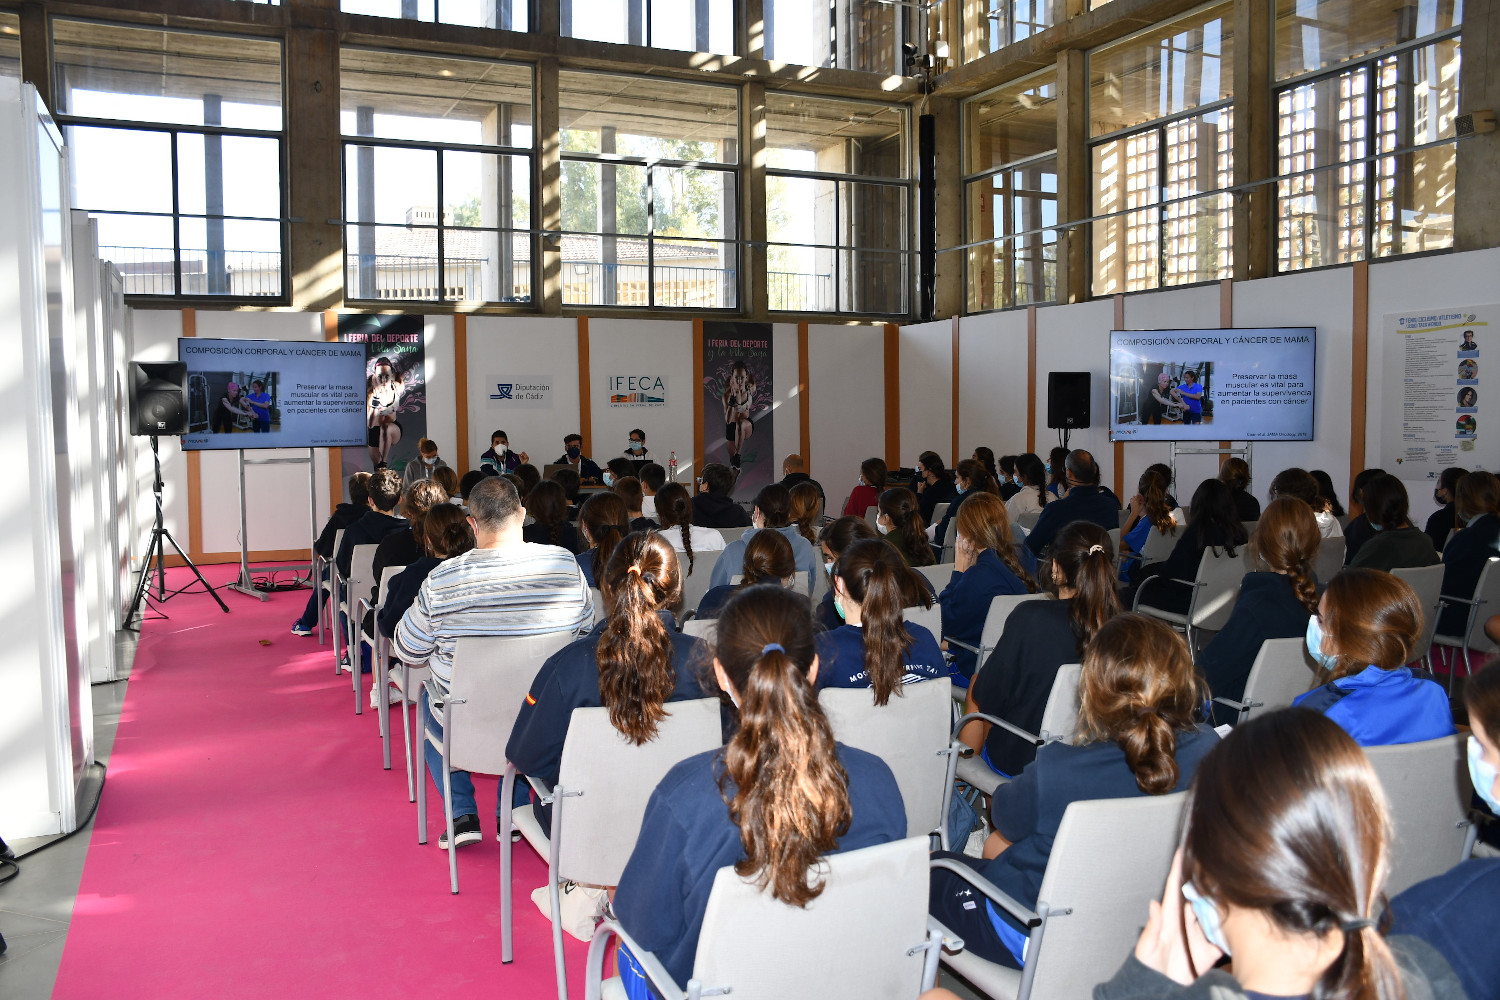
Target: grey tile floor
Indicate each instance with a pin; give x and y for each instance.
(36, 906)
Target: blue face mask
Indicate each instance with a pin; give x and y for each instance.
(1483, 774)
(1314, 641)
(636, 445)
(1047, 468)
(829, 567)
(960, 490)
(609, 478)
(1208, 917)
(1376, 526)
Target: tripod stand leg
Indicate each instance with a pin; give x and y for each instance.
(206, 585)
(144, 583)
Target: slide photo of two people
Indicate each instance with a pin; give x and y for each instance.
(1170, 393)
(233, 402)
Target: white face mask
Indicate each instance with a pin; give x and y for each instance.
(882, 527)
(501, 449)
(430, 460)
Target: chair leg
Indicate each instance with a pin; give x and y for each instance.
(406, 736)
(448, 815)
(507, 933)
(383, 701)
(421, 785)
(352, 644)
(554, 892)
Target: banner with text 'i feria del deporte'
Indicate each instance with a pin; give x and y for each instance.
(1442, 391)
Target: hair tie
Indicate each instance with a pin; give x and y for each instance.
(1095, 548)
(770, 647)
(634, 568)
(1141, 713)
(623, 529)
(1359, 924)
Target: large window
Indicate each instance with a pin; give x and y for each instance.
(837, 205)
(693, 25)
(990, 25)
(649, 192)
(10, 45)
(507, 14)
(1010, 193)
(1365, 154)
(437, 178)
(176, 149)
(849, 34)
(1161, 148)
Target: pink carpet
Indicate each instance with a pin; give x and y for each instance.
(249, 844)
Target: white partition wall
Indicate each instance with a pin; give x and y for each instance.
(1075, 338)
(846, 376)
(991, 384)
(514, 350)
(927, 369)
(624, 349)
(785, 379)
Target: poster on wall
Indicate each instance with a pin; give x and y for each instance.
(1435, 365)
(737, 403)
(395, 390)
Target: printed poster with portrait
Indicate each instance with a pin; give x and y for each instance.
(395, 390)
(1441, 408)
(738, 414)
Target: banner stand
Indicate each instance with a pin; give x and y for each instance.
(245, 583)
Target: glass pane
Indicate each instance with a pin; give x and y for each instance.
(693, 25)
(698, 274)
(650, 117)
(1163, 71)
(797, 31)
(1320, 212)
(486, 190)
(1022, 270)
(140, 246)
(595, 193)
(836, 136)
(1317, 34)
(100, 186)
(603, 21)
(229, 175)
(872, 220)
(865, 33)
(1199, 158)
(1013, 272)
(392, 185)
(1010, 123)
(872, 281)
(695, 203)
(230, 257)
(1004, 22)
(402, 95)
(10, 45)
(176, 77)
(1416, 99)
(800, 210)
(800, 280)
(421, 10)
(1126, 179)
(392, 262)
(606, 270)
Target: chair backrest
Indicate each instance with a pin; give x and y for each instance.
(938, 574)
(598, 828)
(871, 514)
(1158, 546)
(1428, 789)
(994, 620)
(1109, 860)
(1329, 560)
(386, 576)
(338, 542)
(1028, 519)
(763, 949)
(950, 545)
(938, 510)
(731, 534)
(1487, 593)
(1060, 717)
(1114, 541)
(1124, 514)
(929, 618)
(1282, 670)
(361, 571)
(1250, 527)
(1427, 581)
(599, 612)
(1220, 573)
(909, 732)
(696, 584)
(491, 676)
(702, 628)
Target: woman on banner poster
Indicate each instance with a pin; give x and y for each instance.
(739, 395)
(383, 393)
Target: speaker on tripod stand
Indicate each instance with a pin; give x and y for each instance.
(159, 406)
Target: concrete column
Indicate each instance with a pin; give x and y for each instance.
(364, 158)
(609, 218)
(315, 246)
(36, 52)
(1073, 176)
(548, 191)
(752, 258)
(752, 31)
(952, 267)
(213, 198)
(1477, 188)
(1254, 142)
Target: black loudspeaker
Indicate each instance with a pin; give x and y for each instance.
(1068, 400)
(158, 398)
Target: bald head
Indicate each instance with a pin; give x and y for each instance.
(1082, 468)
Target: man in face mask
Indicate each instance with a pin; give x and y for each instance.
(635, 447)
(500, 459)
(421, 467)
(587, 469)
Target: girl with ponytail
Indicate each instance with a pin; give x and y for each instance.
(900, 521)
(768, 559)
(1149, 509)
(1031, 476)
(876, 647)
(837, 536)
(774, 801)
(1284, 856)
(632, 663)
(987, 566)
(1138, 697)
(604, 521)
(674, 508)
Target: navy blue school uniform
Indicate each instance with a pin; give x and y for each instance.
(687, 836)
(966, 602)
(569, 679)
(826, 616)
(1457, 913)
(942, 491)
(1267, 608)
(1016, 681)
(368, 530)
(841, 657)
(714, 600)
(1463, 562)
(1182, 564)
(586, 566)
(1380, 708)
(941, 533)
(1083, 503)
(402, 591)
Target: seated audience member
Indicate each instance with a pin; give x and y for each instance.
(617, 469)
(900, 521)
(1397, 542)
(1148, 510)
(807, 510)
(1009, 486)
(1085, 500)
(1284, 854)
(986, 566)
(1137, 701)
(867, 488)
(934, 484)
(499, 459)
(986, 457)
(1300, 484)
(1039, 637)
(548, 507)
(448, 479)
(633, 663)
(1213, 523)
(421, 467)
(781, 794)
(969, 479)
(343, 516)
(573, 455)
(1032, 495)
(674, 508)
(1477, 503)
(503, 586)
(653, 477)
(875, 647)
(1444, 520)
(1366, 626)
(444, 533)
(835, 537)
(1166, 475)
(629, 492)
(1275, 599)
(516, 481)
(773, 505)
(635, 447)
(1057, 472)
(1328, 493)
(714, 506)
(1235, 473)
(1357, 529)
(402, 547)
(529, 477)
(768, 559)
(1457, 912)
(568, 479)
(384, 489)
(793, 471)
(602, 522)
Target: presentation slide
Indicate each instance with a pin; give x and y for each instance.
(274, 394)
(1212, 385)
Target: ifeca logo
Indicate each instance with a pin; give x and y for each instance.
(520, 392)
(638, 390)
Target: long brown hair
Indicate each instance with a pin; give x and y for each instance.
(1373, 618)
(548, 504)
(445, 532)
(985, 522)
(1287, 817)
(1085, 558)
(674, 508)
(900, 505)
(782, 780)
(419, 498)
(1476, 495)
(977, 476)
(768, 554)
(1286, 541)
(606, 521)
(873, 574)
(1153, 489)
(1138, 690)
(807, 507)
(641, 579)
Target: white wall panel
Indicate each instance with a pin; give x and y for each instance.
(626, 347)
(503, 349)
(1075, 338)
(926, 390)
(992, 381)
(785, 376)
(846, 376)
(440, 369)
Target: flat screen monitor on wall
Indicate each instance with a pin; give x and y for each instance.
(245, 394)
(1212, 385)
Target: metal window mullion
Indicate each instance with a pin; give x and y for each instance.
(285, 227)
(119, 123)
(650, 240)
(457, 147)
(442, 270)
(1021, 164)
(1161, 199)
(176, 223)
(838, 253)
(821, 175)
(1196, 111)
(1372, 150)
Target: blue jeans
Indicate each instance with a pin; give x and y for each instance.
(310, 613)
(461, 783)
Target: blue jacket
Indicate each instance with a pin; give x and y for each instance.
(1083, 503)
(1457, 913)
(841, 657)
(586, 566)
(1384, 707)
(966, 602)
(1463, 562)
(1267, 608)
(732, 560)
(687, 836)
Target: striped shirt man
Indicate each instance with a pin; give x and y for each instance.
(517, 589)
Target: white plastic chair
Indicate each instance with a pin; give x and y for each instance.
(358, 586)
(1428, 790)
(866, 935)
(1282, 670)
(696, 584)
(379, 659)
(938, 510)
(929, 618)
(1484, 603)
(1214, 593)
(994, 625)
(938, 574)
(1329, 560)
(326, 590)
(598, 803)
(797, 586)
(1110, 859)
(872, 514)
(731, 534)
(1059, 721)
(1028, 519)
(701, 628)
(598, 596)
(1427, 581)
